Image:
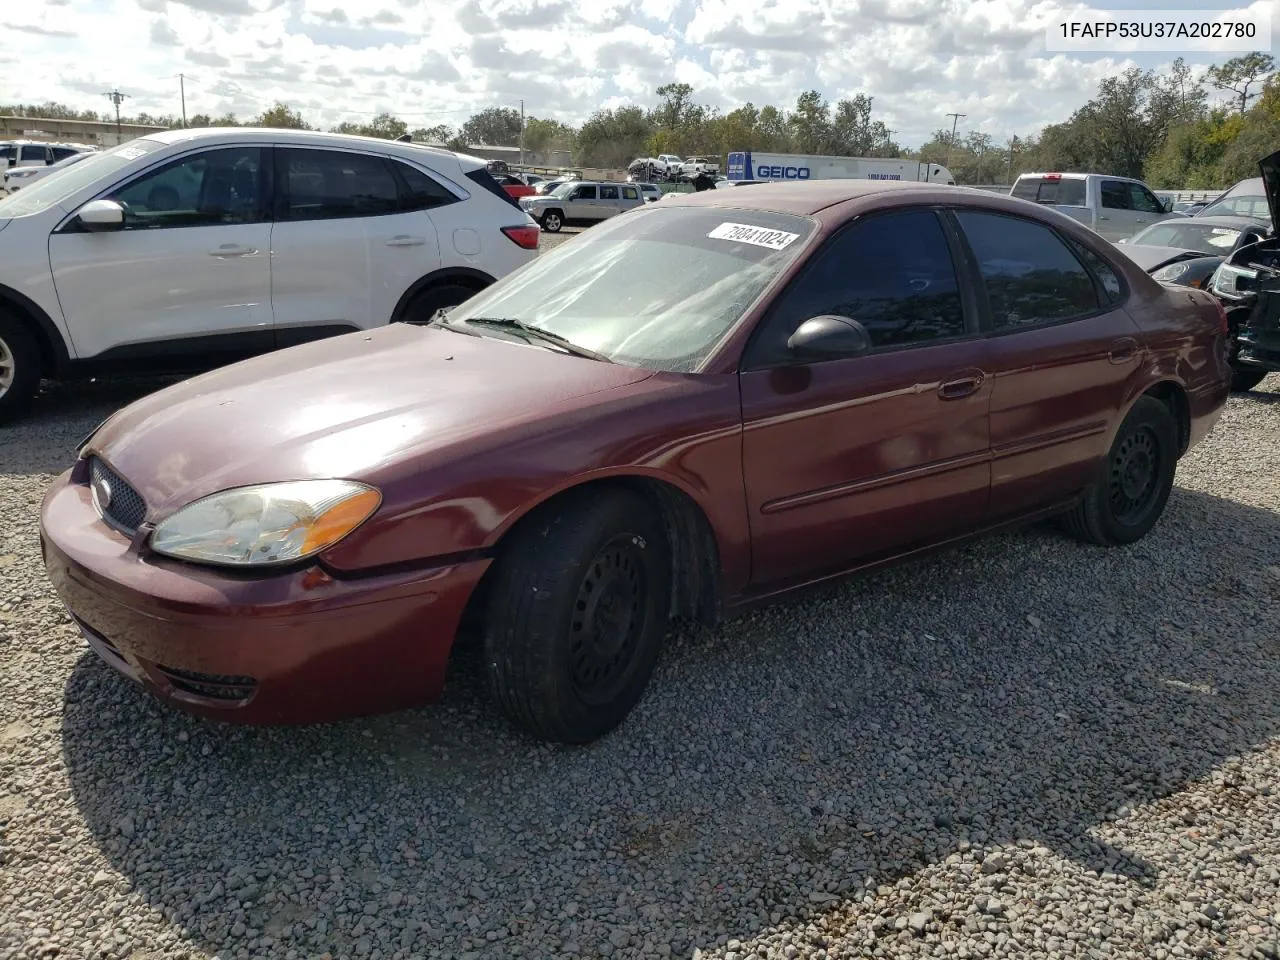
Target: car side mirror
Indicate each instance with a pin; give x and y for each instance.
(828, 337)
(100, 216)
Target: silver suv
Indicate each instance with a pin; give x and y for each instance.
(582, 203)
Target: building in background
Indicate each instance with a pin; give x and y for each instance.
(101, 133)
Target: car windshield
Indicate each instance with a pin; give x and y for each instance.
(51, 190)
(598, 292)
(1189, 235)
(1248, 198)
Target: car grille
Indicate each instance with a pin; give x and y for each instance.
(215, 686)
(121, 505)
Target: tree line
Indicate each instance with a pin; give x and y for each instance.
(1155, 125)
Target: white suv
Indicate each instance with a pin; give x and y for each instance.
(188, 249)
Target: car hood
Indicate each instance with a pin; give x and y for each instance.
(1151, 257)
(1269, 166)
(353, 407)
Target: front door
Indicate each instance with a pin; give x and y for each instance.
(1062, 354)
(582, 204)
(346, 244)
(193, 261)
(850, 460)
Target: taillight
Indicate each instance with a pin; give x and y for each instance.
(524, 236)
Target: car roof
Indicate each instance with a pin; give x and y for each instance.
(302, 137)
(807, 197)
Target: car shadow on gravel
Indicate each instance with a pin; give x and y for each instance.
(1022, 689)
(43, 440)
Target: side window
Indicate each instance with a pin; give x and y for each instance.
(34, 153)
(1105, 273)
(330, 184)
(419, 191)
(1115, 195)
(608, 193)
(629, 193)
(892, 273)
(1030, 275)
(7, 154)
(1140, 198)
(585, 193)
(61, 153)
(206, 189)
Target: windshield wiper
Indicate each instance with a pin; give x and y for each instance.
(537, 333)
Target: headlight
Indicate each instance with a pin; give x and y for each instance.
(1171, 273)
(272, 523)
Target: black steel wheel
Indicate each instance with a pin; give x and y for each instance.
(1126, 501)
(577, 614)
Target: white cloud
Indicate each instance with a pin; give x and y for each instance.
(437, 61)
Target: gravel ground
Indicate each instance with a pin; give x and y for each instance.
(1022, 747)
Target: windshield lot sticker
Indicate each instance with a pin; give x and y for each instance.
(131, 153)
(757, 236)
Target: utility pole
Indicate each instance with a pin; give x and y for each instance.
(1012, 144)
(955, 119)
(182, 86)
(116, 97)
(522, 133)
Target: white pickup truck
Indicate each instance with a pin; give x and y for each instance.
(1115, 207)
(693, 166)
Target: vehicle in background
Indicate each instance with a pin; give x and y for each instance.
(1247, 283)
(546, 186)
(1248, 198)
(515, 186)
(496, 167)
(1187, 250)
(1189, 208)
(763, 167)
(32, 155)
(696, 166)
(635, 427)
(581, 203)
(651, 192)
(725, 183)
(18, 177)
(187, 249)
(1113, 207)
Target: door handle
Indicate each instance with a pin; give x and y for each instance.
(962, 386)
(404, 240)
(1104, 218)
(232, 250)
(1123, 350)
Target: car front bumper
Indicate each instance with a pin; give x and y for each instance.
(288, 647)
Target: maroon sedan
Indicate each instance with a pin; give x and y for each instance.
(702, 404)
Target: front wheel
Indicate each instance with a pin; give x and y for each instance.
(19, 367)
(552, 222)
(577, 616)
(1244, 379)
(424, 306)
(1135, 481)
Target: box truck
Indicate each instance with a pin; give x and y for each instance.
(758, 166)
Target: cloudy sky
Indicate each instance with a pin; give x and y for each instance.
(437, 61)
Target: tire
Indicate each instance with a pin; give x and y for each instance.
(20, 367)
(567, 655)
(1244, 379)
(552, 221)
(1134, 481)
(425, 304)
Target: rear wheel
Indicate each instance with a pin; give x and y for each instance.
(19, 366)
(424, 306)
(552, 221)
(577, 616)
(1133, 486)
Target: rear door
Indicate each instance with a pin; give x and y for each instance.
(345, 246)
(1060, 351)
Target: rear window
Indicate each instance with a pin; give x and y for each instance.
(1068, 192)
(485, 179)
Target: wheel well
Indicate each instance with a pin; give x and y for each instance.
(459, 277)
(1175, 398)
(695, 561)
(51, 358)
